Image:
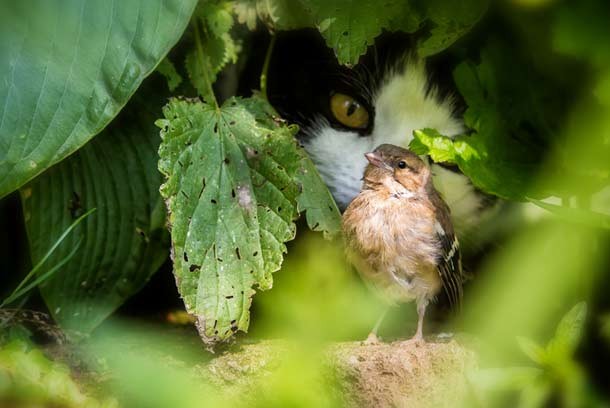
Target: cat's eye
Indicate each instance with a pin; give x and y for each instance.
(402, 164)
(348, 111)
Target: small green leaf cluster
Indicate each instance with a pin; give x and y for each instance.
(556, 370)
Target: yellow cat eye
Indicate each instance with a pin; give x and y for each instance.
(349, 111)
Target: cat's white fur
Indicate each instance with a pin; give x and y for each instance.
(403, 103)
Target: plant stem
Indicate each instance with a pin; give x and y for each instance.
(211, 98)
(263, 83)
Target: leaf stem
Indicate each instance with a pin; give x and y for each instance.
(211, 98)
(263, 82)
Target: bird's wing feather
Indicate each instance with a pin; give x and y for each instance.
(450, 259)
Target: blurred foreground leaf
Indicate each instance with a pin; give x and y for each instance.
(29, 378)
(68, 67)
(123, 243)
(579, 215)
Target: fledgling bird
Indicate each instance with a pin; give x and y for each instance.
(398, 233)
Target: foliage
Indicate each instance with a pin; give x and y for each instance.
(502, 155)
(68, 67)
(231, 192)
(235, 181)
(123, 243)
(556, 368)
(28, 377)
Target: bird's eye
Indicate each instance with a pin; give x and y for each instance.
(402, 164)
(348, 111)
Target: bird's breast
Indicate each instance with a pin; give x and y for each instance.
(392, 244)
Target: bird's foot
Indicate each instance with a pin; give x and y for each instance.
(371, 340)
(416, 341)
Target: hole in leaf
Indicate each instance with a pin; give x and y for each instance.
(237, 253)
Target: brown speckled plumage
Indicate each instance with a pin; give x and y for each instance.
(399, 234)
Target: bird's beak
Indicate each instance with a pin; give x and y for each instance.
(375, 159)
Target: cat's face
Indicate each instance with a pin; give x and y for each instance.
(344, 113)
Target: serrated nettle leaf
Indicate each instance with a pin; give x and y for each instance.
(123, 243)
(349, 27)
(569, 332)
(213, 48)
(168, 70)
(216, 15)
(283, 14)
(230, 192)
(451, 21)
(316, 201)
(246, 13)
(68, 67)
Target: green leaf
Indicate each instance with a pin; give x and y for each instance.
(349, 27)
(315, 200)
(283, 14)
(29, 378)
(450, 20)
(504, 379)
(579, 215)
(569, 332)
(535, 394)
(581, 29)
(68, 67)
(123, 243)
(168, 70)
(535, 352)
(510, 130)
(231, 194)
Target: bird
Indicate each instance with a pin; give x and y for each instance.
(399, 235)
(345, 112)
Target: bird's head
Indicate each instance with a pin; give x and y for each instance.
(394, 164)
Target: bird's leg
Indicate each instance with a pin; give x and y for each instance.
(372, 337)
(421, 311)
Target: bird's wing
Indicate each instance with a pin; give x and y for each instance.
(450, 258)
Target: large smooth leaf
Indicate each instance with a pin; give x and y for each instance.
(124, 242)
(67, 67)
(231, 194)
